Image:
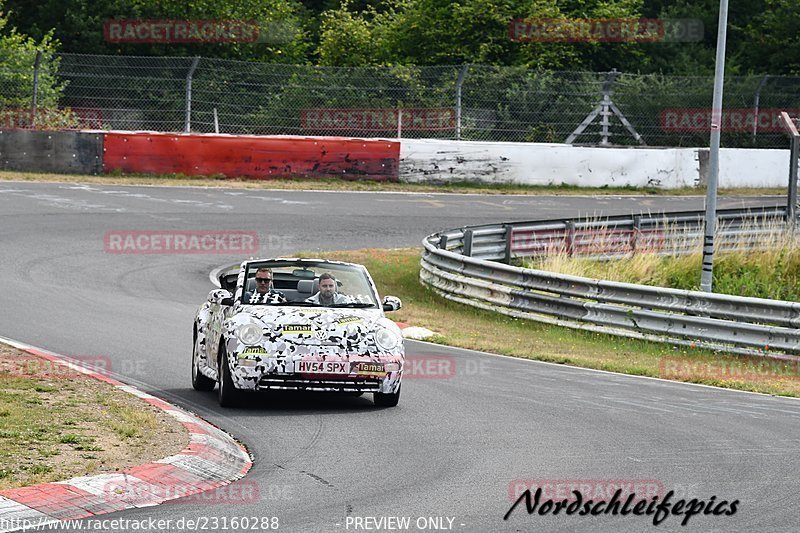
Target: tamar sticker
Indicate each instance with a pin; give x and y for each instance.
(349, 320)
(371, 369)
(297, 329)
(253, 350)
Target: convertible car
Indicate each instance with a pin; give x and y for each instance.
(292, 336)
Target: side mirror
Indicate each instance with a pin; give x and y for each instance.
(391, 303)
(220, 297)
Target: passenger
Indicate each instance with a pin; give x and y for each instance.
(327, 294)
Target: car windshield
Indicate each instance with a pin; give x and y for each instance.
(308, 284)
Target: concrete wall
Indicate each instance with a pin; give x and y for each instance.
(409, 160)
(555, 164)
(63, 152)
(251, 156)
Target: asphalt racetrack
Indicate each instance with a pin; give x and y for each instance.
(455, 450)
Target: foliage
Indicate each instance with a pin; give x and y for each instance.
(79, 25)
(762, 34)
(17, 59)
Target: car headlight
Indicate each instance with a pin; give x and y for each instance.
(250, 334)
(386, 339)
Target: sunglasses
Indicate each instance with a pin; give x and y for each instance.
(263, 280)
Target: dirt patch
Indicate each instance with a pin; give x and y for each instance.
(57, 423)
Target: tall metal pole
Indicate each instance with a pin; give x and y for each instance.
(188, 126)
(35, 100)
(459, 83)
(713, 167)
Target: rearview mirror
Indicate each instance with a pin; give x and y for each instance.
(220, 297)
(391, 303)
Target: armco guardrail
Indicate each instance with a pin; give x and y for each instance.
(465, 265)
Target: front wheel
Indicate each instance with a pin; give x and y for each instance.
(386, 399)
(199, 381)
(228, 394)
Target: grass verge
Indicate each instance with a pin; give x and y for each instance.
(56, 423)
(366, 185)
(756, 260)
(396, 272)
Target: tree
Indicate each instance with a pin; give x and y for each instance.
(17, 60)
(775, 39)
(78, 24)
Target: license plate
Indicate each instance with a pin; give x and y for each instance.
(323, 367)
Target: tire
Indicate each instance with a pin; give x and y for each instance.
(228, 394)
(199, 381)
(388, 399)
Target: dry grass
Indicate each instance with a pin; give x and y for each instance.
(376, 186)
(56, 424)
(761, 265)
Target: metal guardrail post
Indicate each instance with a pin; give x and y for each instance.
(467, 242)
(637, 228)
(509, 231)
(791, 203)
(443, 242)
(35, 99)
(189, 75)
(570, 237)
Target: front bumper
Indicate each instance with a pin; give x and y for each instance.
(278, 373)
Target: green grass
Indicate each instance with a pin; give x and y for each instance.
(396, 272)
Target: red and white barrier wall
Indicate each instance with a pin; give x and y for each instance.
(406, 160)
(251, 156)
(424, 160)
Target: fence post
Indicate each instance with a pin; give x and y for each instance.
(459, 83)
(189, 75)
(399, 122)
(35, 100)
(756, 100)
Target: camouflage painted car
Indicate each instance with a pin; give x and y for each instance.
(248, 341)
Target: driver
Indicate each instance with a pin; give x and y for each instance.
(327, 294)
(265, 292)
